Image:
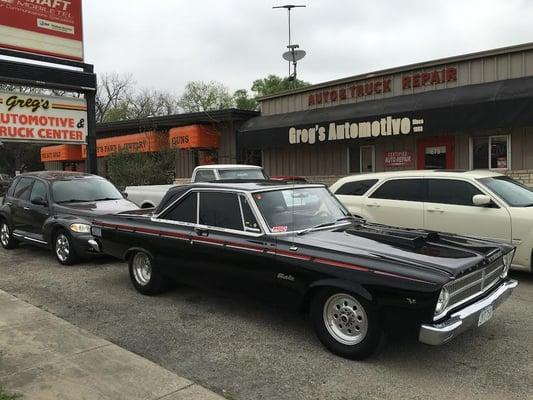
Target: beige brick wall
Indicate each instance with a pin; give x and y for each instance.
(524, 175)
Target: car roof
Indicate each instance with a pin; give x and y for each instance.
(440, 173)
(58, 175)
(228, 166)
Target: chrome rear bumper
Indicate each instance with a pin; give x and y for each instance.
(466, 318)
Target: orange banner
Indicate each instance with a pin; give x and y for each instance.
(146, 142)
(193, 137)
(63, 152)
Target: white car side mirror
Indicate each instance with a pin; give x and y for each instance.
(481, 200)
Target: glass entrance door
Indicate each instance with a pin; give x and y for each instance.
(436, 153)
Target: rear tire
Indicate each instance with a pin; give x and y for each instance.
(7, 240)
(145, 275)
(346, 324)
(64, 248)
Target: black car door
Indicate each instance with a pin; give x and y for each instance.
(20, 205)
(38, 210)
(230, 249)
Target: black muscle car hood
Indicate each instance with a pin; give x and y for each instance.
(454, 255)
(95, 208)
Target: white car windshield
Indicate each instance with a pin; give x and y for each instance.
(298, 209)
(241, 173)
(512, 192)
(84, 190)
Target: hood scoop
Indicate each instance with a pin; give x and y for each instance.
(401, 239)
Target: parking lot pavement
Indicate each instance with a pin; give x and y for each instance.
(243, 349)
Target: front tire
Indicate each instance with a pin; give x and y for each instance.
(7, 240)
(64, 248)
(145, 275)
(345, 323)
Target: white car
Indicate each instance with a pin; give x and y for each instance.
(478, 203)
(149, 196)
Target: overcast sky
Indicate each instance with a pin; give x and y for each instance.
(166, 43)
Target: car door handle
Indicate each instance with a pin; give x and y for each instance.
(374, 205)
(26, 208)
(202, 231)
(435, 210)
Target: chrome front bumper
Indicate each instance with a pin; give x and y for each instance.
(466, 318)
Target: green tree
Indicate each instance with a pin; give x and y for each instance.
(274, 84)
(205, 96)
(243, 101)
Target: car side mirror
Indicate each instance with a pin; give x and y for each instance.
(481, 200)
(125, 195)
(39, 201)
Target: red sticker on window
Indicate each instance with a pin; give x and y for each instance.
(281, 228)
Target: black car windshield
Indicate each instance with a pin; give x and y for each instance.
(299, 209)
(248, 173)
(512, 192)
(84, 190)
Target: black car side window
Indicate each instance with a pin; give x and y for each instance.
(451, 191)
(356, 188)
(185, 210)
(38, 191)
(22, 191)
(401, 189)
(221, 210)
(248, 217)
(11, 190)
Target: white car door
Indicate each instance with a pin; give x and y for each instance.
(397, 202)
(449, 208)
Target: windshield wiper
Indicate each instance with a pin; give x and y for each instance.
(72, 201)
(304, 231)
(106, 198)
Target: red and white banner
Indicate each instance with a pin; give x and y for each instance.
(49, 27)
(398, 159)
(42, 119)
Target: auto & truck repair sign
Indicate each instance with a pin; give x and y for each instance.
(49, 27)
(35, 118)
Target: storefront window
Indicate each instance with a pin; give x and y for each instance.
(490, 152)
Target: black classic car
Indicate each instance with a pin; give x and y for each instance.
(55, 209)
(296, 244)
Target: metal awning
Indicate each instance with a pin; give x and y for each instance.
(500, 104)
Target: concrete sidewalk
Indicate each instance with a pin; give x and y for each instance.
(44, 357)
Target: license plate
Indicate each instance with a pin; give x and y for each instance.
(485, 315)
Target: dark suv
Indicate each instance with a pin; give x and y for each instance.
(56, 209)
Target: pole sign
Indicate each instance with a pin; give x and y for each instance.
(28, 118)
(47, 27)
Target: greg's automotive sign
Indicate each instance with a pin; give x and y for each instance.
(42, 118)
(386, 126)
(50, 27)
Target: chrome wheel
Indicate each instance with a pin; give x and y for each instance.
(4, 234)
(142, 269)
(345, 319)
(62, 247)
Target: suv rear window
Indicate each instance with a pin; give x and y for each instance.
(356, 188)
(401, 189)
(22, 191)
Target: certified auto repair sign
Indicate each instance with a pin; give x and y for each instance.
(50, 27)
(42, 118)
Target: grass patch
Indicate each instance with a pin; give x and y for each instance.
(9, 396)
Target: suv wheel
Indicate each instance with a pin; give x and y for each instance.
(345, 323)
(6, 236)
(64, 249)
(145, 275)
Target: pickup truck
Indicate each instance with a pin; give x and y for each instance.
(149, 196)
